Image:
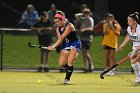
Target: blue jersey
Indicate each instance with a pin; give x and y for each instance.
(71, 40)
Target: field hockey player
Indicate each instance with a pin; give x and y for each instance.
(70, 44)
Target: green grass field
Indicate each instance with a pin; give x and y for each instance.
(16, 53)
(26, 82)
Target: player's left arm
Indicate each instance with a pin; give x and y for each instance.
(68, 29)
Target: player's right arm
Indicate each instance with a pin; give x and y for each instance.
(57, 32)
(127, 38)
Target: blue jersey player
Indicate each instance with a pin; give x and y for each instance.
(70, 44)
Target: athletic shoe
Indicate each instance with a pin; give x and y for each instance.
(39, 69)
(111, 73)
(137, 79)
(107, 72)
(66, 81)
(46, 69)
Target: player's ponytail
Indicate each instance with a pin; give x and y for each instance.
(136, 13)
(135, 16)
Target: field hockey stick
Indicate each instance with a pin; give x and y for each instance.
(36, 46)
(120, 62)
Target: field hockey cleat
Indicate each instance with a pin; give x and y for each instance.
(66, 81)
(137, 80)
(111, 73)
(135, 83)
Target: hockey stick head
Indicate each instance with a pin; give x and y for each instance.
(102, 76)
(37, 46)
(120, 62)
(106, 71)
(30, 45)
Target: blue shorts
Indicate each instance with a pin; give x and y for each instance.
(69, 45)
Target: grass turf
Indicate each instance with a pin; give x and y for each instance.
(24, 82)
(16, 53)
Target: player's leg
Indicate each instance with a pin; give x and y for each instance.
(69, 70)
(63, 57)
(136, 67)
(63, 61)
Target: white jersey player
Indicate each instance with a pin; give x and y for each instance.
(134, 35)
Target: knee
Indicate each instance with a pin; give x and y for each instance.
(70, 63)
(61, 64)
(132, 61)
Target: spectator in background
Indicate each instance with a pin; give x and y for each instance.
(98, 29)
(83, 6)
(111, 31)
(53, 10)
(86, 37)
(43, 27)
(77, 22)
(29, 17)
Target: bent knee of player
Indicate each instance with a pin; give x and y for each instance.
(61, 65)
(62, 62)
(71, 62)
(133, 61)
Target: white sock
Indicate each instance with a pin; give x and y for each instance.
(136, 68)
